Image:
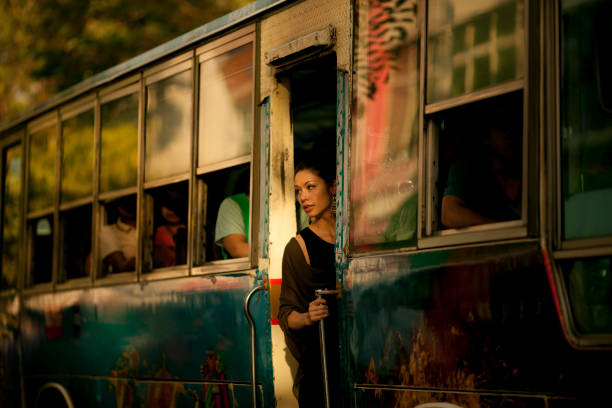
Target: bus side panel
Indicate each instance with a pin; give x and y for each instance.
(371, 397)
(10, 394)
(477, 319)
(94, 392)
(188, 329)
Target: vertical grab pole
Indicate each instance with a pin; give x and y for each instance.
(250, 319)
(319, 294)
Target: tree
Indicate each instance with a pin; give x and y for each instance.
(49, 45)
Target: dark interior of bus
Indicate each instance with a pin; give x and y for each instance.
(465, 135)
(313, 112)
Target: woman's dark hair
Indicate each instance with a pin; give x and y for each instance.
(323, 166)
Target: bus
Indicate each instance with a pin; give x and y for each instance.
(473, 247)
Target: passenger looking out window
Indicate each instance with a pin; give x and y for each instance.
(484, 182)
(118, 241)
(232, 226)
(171, 234)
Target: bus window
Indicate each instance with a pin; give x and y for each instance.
(226, 106)
(41, 168)
(41, 185)
(168, 126)
(118, 236)
(119, 143)
(589, 288)
(168, 238)
(586, 120)
(473, 45)
(77, 157)
(11, 211)
(225, 137)
(41, 249)
(384, 155)
(76, 188)
(76, 242)
(480, 163)
(223, 221)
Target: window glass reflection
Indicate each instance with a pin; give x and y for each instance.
(385, 136)
(589, 283)
(118, 236)
(77, 156)
(11, 211)
(226, 103)
(586, 119)
(119, 143)
(473, 45)
(41, 168)
(76, 242)
(168, 126)
(41, 249)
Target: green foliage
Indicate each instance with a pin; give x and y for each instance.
(49, 45)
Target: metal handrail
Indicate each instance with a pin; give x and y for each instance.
(319, 294)
(252, 324)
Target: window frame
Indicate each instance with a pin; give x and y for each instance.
(10, 139)
(146, 269)
(564, 248)
(49, 120)
(128, 86)
(428, 237)
(213, 49)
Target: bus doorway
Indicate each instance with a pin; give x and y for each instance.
(310, 102)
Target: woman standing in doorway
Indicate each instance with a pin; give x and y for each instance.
(308, 264)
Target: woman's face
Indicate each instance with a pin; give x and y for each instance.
(312, 193)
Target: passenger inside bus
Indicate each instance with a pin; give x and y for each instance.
(118, 241)
(232, 226)
(484, 183)
(171, 236)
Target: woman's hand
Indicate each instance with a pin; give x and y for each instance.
(317, 310)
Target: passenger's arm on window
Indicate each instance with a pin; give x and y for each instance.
(236, 245)
(456, 214)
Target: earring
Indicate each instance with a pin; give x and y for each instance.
(333, 204)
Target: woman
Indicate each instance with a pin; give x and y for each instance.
(308, 264)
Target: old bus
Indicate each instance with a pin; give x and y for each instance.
(473, 231)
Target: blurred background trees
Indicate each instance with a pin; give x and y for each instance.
(49, 45)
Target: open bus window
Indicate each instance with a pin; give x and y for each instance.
(479, 163)
(385, 120)
(11, 211)
(167, 219)
(118, 236)
(76, 242)
(586, 120)
(40, 232)
(222, 221)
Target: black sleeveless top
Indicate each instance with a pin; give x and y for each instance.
(320, 252)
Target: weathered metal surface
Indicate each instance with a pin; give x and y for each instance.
(185, 330)
(477, 320)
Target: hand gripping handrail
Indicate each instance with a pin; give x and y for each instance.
(250, 319)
